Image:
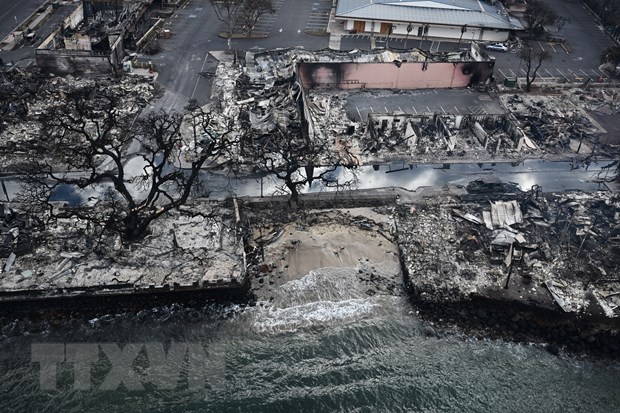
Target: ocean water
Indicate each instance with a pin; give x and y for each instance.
(321, 344)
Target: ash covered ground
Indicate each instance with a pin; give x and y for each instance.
(555, 251)
(194, 247)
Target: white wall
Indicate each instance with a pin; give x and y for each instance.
(446, 32)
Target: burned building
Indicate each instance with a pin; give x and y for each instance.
(417, 106)
(293, 89)
(94, 37)
(557, 251)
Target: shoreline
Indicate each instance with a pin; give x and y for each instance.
(325, 229)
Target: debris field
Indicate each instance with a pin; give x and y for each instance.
(559, 251)
(196, 247)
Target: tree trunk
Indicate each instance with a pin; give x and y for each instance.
(294, 199)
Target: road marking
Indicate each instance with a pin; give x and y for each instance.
(372, 109)
(386, 110)
(554, 51)
(457, 110)
(442, 109)
(359, 114)
(429, 109)
(581, 70)
(10, 10)
(565, 77)
(201, 70)
(400, 109)
(416, 112)
(541, 46)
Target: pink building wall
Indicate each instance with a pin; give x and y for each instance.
(399, 75)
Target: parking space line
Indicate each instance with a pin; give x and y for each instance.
(565, 77)
(577, 77)
(596, 73)
(416, 112)
(551, 44)
(541, 46)
(512, 73)
(503, 74)
(429, 109)
(457, 110)
(550, 74)
(581, 70)
(359, 114)
(386, 110)
(371, 109)
(442, 109)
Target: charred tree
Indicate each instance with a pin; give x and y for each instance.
(133, 167)
(537, 15)
(533, 60)
(611, 58)
(252, 11)
(229, 13)
(295, 161)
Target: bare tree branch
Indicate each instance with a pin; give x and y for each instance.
(84, 145)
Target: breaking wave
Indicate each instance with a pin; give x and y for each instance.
(323, 297)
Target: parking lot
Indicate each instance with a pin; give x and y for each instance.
(555, 75)
(421, 102)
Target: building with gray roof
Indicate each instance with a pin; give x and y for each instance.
(455, 20)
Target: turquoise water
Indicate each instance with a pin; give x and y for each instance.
(321, 345)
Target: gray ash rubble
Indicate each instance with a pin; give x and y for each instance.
(545, 249)
(545, 253)
(316, 94)
(195, 247)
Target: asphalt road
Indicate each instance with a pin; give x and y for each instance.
(195, 29)
(13, 12)
(25, 53)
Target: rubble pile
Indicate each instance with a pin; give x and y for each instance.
(195, 247)
(281, 63)
(19, 133)
(444, 136)
(425, 138)
(606, 101)
(19, 234)
(559, 251)
(557, 123)
(253, 106)
(267, 94)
